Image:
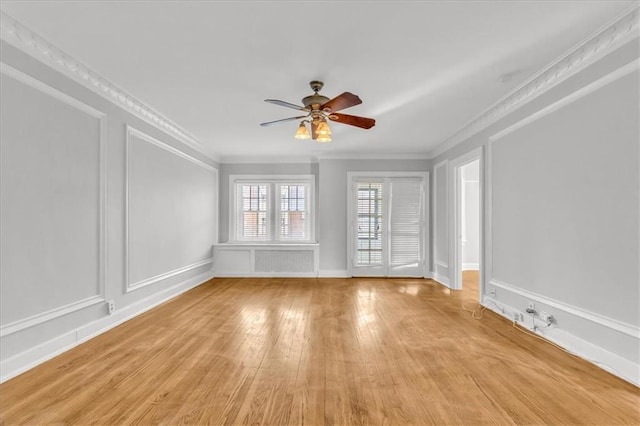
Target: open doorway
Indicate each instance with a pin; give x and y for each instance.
(470, 228)
(467, 230)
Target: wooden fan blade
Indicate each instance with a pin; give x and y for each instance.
(314, 130)
(353, 120)
(269, 123)
(285, 104)
(342, 101)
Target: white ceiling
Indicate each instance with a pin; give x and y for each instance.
(422, 69)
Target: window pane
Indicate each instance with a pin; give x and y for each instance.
(370, 231)
(254, 211)
(293, 217)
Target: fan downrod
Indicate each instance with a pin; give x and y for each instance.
(316, 85)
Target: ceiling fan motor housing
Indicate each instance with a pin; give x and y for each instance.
(314, 101)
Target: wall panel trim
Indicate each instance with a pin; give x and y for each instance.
(133, 132)
(102, 203)
(49, 315)
(622, 327)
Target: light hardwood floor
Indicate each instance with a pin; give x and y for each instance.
(317, 351)
(470, 284)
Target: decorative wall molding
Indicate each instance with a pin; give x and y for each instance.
(169, 274)
(622, 327)
(102, 203)
(49, 315)
(622, 30)
(37, 46)
(567, 100)
(133, 132)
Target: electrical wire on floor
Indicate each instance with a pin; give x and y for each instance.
(475, 313)
(478, 312)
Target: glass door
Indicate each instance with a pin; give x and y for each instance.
(369, 232)
(387, 226)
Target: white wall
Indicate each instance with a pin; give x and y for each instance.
(470, 207)
(68, 201)
(562, 210)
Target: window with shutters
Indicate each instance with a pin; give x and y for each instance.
(387, 217)
(271, 209)
(369, 250)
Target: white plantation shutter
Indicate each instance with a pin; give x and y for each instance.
(387, 225)
(406, 227)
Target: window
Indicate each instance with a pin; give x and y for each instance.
(369, 250)
(271, 208)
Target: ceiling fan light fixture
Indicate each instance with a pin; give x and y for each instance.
(323, 129)
(324, 138)
(302, 133)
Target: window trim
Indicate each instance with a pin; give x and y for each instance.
(273, 212)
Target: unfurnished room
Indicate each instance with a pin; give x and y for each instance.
(319, 212)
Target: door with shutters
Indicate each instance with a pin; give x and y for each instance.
(387, 224)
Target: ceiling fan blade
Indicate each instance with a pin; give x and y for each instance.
(345, 100)
(314, 129)
(285, 104)
(353, 120)
(269, 123)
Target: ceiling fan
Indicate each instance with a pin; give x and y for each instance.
(318, 109)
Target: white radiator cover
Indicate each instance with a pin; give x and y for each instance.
(266, 260)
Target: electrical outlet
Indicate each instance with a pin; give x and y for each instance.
(111, 306)
(546, 317)
(493, 293)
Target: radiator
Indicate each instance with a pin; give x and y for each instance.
(300, 260)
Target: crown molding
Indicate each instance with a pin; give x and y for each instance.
(28, 41)
(620, 31)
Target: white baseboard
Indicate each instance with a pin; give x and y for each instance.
(441, 279)
(30, 358)
(470, 266)
(333, 273)
(266, 274)
(606, 360)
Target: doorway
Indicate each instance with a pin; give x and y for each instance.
(387, 218)
(467, 224)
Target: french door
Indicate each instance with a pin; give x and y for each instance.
(387, 225)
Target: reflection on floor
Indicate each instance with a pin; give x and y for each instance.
(470, 282)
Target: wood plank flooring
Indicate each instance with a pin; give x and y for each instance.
(314, 352)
